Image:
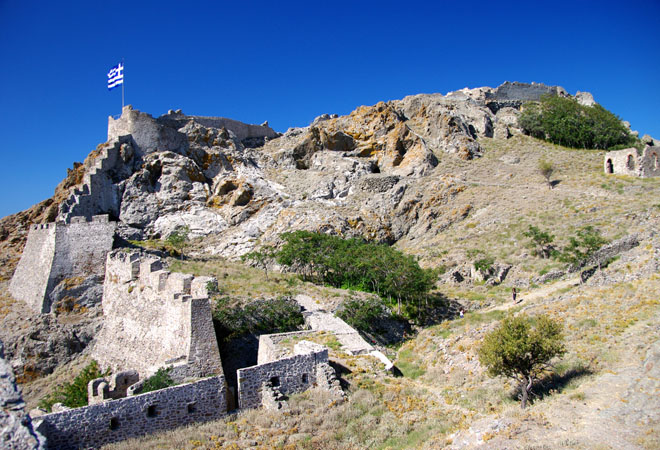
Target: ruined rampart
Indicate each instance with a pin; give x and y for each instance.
(96, 425)
(154, 318)
(289, 375)
(630, 162)
(56, 251)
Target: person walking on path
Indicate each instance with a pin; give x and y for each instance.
(514, 294)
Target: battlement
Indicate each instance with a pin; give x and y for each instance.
(155, 318)
(59, 250)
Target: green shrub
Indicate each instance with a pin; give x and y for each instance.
(74, 394)
(259, 317)
(541, 242)
(160, 380)
(580, 247)
(565, 122)
(484, 264)
(363, 315)
(358, 265)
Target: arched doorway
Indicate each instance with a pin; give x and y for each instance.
(609, 167)
(630, 163)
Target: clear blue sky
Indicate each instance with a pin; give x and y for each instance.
(287, 62)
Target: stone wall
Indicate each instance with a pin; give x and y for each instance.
(242, 131)
(57, 251)
(629, 162)
(270, 348)
(289, 375)
(96, 425)
(154, 318)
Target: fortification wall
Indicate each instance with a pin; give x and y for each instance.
(241, 130)
(96, 425)
(56, 251)
(290, 375)
(148, 135)
(270, 348)
(151, 319)
(629, 162)
(30, 278)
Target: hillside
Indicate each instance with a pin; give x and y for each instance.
(449, 179)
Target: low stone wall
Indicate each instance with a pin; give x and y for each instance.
(290, 375)
(117, 420)
(270, 348)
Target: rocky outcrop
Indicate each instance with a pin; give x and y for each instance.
(16, 432)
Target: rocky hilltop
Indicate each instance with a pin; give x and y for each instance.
(370, 173)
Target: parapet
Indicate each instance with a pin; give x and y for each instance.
(155, 318)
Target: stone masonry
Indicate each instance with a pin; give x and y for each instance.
(629, 162)
(112, 421)
(154, 318)
(57, 251)
(289, 375)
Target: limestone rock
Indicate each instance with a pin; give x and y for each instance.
(16, 432)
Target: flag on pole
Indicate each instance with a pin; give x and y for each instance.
(116, 76)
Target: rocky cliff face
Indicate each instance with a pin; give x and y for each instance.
(370, 173)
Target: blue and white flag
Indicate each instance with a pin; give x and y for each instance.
(116, 76)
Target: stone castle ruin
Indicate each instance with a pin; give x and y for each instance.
(154, 318)
(631, 162)
(157, 319)
(55, 252)
(132, 137)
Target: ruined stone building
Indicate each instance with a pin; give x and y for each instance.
(58, 251)
(632, 162)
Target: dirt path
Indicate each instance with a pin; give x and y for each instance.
(528, 299)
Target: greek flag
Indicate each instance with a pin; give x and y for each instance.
(116, 76)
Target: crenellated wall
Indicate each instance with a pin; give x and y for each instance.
(56, 251)
(112, 421)
(154, 318)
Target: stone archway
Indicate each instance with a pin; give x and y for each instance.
(609, 167)
(630, 162)
(654, 158)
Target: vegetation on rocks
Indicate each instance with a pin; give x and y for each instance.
(260, 316)
(565, 122)
(160, 380)
(359, 265)
(521, 348)
(74, 393)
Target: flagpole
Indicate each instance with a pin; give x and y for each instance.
(122, 87)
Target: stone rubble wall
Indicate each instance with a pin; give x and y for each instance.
(97, 425)
(628, 162)
(241, 130)
(57, 251)
(269, 345)
(102, 389)
(294, 374)
(151, 319)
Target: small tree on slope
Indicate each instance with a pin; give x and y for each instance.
(521, 348)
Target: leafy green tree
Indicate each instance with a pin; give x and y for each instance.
(546, 169)
(521, 348)
(261, 258)
(582, 246)
(541, 241)
(178, 239)
(565, 122)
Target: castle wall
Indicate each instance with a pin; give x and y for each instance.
(628, 162)
(57, 251)
(117, 420)
(30, 278)
(148, 135)
(293, 374)
(151, 319)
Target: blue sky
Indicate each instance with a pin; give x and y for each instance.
(288, 62)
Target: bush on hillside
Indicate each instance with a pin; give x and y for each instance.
(160, 380)
(259, 317)
(359, 265)
(521, 348)
(73, 394)
(564, 121)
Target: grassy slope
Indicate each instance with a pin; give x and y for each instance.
(444, 399)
